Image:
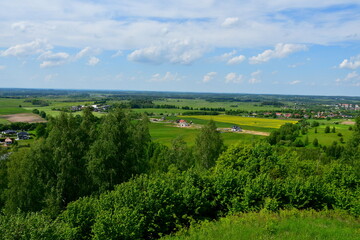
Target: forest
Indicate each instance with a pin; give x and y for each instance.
(86, 177)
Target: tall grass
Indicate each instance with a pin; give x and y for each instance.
(286, 224)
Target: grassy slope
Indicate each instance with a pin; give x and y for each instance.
(287, 225)
(165, 133)
(328, 138)
(11, 106)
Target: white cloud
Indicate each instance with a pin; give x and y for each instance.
(295, 82)
(230, 21)
(209, 76)
(175, 51)
(352, 78)
(118, 54)
(236, 60)
(352, 63)
(51, 59)
(255, 77)
(23, 27)
(87, 52)
(23, 50)
(233, 78)
(280, 51)
(228, 55)
(93, 61)
(167, 77)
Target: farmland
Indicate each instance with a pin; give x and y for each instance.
(250, 123)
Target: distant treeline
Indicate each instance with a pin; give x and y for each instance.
(20, 126)
(200, 113)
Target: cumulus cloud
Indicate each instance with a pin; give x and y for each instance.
(255, 77)
(175, 51)
(227, 55)
(50, 59)
(231, 21)
(167, 77)
(209, 76)
(23, 50)
(236, 60)
(352, 63)
(352, 78)
(233, 78)
(93, 61)
(295, 82)
(281, 50)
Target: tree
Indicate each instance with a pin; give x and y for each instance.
(316, 142)
(208, 146)
(119, 152)
(327, 129)
(333, 130)
(306, 141)
(315, 130)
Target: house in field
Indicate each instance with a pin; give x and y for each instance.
(23, 135)
(8, 141)
(236, 129)
(9, 132)
(183, 123)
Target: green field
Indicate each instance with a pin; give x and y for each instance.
(165, 132)
(328, 138)
(248, 123)
(286, 225)
(11, 106)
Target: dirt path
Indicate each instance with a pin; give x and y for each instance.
(23, 117)
(245, 131)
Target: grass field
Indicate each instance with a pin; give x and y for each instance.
(286, 225)
(328, 138)
(164, 133)
(248, 123)
(11, 106)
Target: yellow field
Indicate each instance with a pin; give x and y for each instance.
(247, 121)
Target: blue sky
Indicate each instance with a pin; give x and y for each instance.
(273, 47)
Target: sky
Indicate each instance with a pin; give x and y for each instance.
(303, 47)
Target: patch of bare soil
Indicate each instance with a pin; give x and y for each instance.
(23, 117)
(245, 131)
(348, 123)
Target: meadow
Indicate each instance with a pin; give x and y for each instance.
(286, 225)
(165, 133)
(341, 131)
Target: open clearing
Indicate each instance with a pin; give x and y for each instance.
(23, 117)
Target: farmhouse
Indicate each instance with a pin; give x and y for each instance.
(183, 123)
(23, 135)
(9, 132)
(236, 129)
(8, 141)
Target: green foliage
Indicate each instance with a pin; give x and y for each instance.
(209, 145)
(32, 226)
(327, 129)
(119, 151)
